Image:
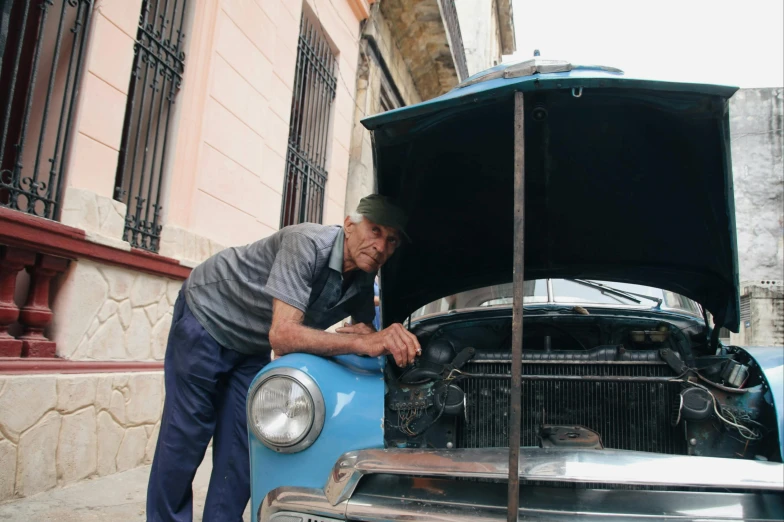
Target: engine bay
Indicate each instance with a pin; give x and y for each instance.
(598, 379)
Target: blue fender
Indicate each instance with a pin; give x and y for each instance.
(771, 362)
(353, 389)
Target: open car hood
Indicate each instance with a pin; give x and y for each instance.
(626, 180)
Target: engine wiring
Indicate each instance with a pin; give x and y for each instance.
(735, 421)
(680, 409)
(406, 418)
(743, 430)
(721, 387)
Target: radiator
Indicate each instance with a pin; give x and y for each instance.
(627, 415)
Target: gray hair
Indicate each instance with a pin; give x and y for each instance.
(356, 218)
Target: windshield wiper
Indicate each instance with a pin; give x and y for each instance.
(631, 296)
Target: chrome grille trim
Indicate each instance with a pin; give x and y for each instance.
(397, 499)
(549, 465)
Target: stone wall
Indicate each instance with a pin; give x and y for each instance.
(377, 28)
(756, 121)
(763, 324)
(420, 33)
(58, 429)
(104, 313)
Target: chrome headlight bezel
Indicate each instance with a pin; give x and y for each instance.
(319, 410)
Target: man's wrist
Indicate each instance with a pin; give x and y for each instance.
(358, 345)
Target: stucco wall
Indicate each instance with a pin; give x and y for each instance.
(479, 28)
(225, 177)
(104, 92)
(361, 181)
(756, 121)
(223, 188)
(237, 193)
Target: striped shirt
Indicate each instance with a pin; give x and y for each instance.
(231, 293)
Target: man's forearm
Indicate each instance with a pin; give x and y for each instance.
(291, 337)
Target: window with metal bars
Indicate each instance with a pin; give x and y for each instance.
(386, 101)
(156, 78)
(745, 308)
(42, 50)
(306, 162)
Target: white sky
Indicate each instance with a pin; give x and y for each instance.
(738, 42)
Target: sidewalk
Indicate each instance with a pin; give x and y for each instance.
(119, 497)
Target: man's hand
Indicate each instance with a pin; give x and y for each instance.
(395, 341)
(359, 329)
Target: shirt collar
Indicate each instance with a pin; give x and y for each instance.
(336, 257)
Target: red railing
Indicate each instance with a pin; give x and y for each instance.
(35, 315)
(44, 249)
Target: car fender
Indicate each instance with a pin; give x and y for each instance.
(353, 391)
(771, 362)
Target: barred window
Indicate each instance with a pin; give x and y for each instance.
(745, 308)
(386, 101)
(306, 161)
(156, 77)
(42, 53)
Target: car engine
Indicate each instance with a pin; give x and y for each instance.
(590, 380)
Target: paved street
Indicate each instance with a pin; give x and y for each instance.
(119, 497)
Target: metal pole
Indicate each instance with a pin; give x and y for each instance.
(517, 317)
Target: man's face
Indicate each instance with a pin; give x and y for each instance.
(370, 245)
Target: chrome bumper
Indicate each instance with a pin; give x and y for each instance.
(390, 491)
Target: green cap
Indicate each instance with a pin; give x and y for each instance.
(380, 210)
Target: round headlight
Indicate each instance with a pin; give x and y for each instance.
(286, 410)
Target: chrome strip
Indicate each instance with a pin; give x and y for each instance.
(403, 499)
(556, 465)
(306, 500)
(389, 498)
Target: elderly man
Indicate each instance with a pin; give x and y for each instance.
(277, 294)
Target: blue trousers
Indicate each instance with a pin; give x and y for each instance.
(206, 388)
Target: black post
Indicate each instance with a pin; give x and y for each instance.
(518, 279)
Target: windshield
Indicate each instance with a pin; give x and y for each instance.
(565, 291)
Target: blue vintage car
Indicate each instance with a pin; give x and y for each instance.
(573, 258)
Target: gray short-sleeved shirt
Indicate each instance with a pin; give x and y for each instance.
(231, 293)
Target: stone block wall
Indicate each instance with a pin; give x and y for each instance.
(58, 429)
(764, 324)
(122, 314)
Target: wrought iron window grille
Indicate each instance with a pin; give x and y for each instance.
(315, 83)
(386, 101)
(156, 79)
(42, 48)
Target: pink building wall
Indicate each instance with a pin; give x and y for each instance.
(225, 175)
(223, 185)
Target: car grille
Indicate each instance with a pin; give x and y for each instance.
(627, 415)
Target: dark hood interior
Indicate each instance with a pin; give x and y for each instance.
(622, 184)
